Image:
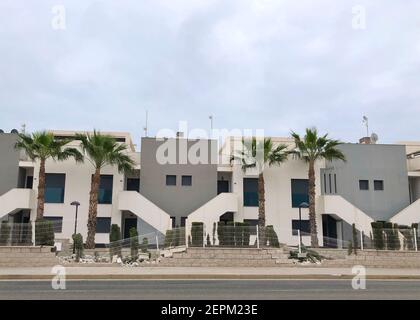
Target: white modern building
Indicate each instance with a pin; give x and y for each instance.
(377, 182)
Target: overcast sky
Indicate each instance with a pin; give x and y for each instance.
(272, 64)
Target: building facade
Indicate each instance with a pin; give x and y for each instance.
(199, 183)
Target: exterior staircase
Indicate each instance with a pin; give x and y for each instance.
(27, 257)
(227, 257)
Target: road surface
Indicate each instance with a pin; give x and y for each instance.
(211, 289)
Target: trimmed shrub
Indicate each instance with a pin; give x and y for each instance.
(271, 237)
(169, 237)
(393, 238)
(115, 241)
(197, 234)
(220, 233)
(208, 240)
(214, 233)
(78, 245)
(246, 234)
(44, 233)
(378, 236)
(354, 234)
(350, 248)
(4, 233)
(134, 243)
(144, 245)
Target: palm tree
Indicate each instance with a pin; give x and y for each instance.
(101, 150)
(312, 148)
(41, 146)
(259, 155)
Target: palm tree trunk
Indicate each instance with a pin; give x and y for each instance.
(41, 191)
(93, 209)
(312, 217)
(261, 208)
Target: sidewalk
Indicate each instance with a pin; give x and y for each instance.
(190, 273)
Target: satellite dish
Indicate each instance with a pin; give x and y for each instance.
(14, 131)
(374, 138)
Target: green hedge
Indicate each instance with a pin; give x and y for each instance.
(78, 245)
(44, 233)
(134, 243)
(197, 234)
(114, 241)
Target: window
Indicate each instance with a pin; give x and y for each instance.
(187, 180)
(105, 189)
(103, 225)
(364, 184)
(300, 192)
(171, 180)
(173, 220)
(250, 192)
(183, 219)
(378, 184)
(305, 227)
(57, 223)
(133, 184)
(54, 187)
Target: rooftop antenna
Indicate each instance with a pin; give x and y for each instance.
(23, 129)
(145, 127)
(211, 122)
(366, 123)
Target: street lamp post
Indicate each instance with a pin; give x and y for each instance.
(302, 205)
(77, 204)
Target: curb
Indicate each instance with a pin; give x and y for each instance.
(206, 277)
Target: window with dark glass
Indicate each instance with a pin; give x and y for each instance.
(57, 223)
(171, 180)
(183, 219)
(133, 184)
(173, 220)
(305, 227)
(105, 189)
(187, 180)
(364, 184)
(250, 192)
(54, 187)
(300, 192)
(103, 225)
(378, 184)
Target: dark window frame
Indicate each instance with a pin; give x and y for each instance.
(381, 184)
(306, 227)
(57, 227)
(362, 187)
(107, 200)
(294, 201)
(100, 227)
(186, 177)
(62, 196)
(250, 197)
(168, 176)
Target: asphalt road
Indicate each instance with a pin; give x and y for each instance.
(211, 289)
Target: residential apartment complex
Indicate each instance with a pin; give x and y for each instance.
(377, 182)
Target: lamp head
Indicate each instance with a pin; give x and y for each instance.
(75, 203)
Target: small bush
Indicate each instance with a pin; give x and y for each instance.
(115, 241)
(354, 235)
(271, 237)
(246, 234)
(169, 238)
(208, 240)
(378, 236)
(44, 233)
(220, 233)
(4, 233)
(197, 234)
(78, 245)
(144, 245)
(134, 243)
(350, 248)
